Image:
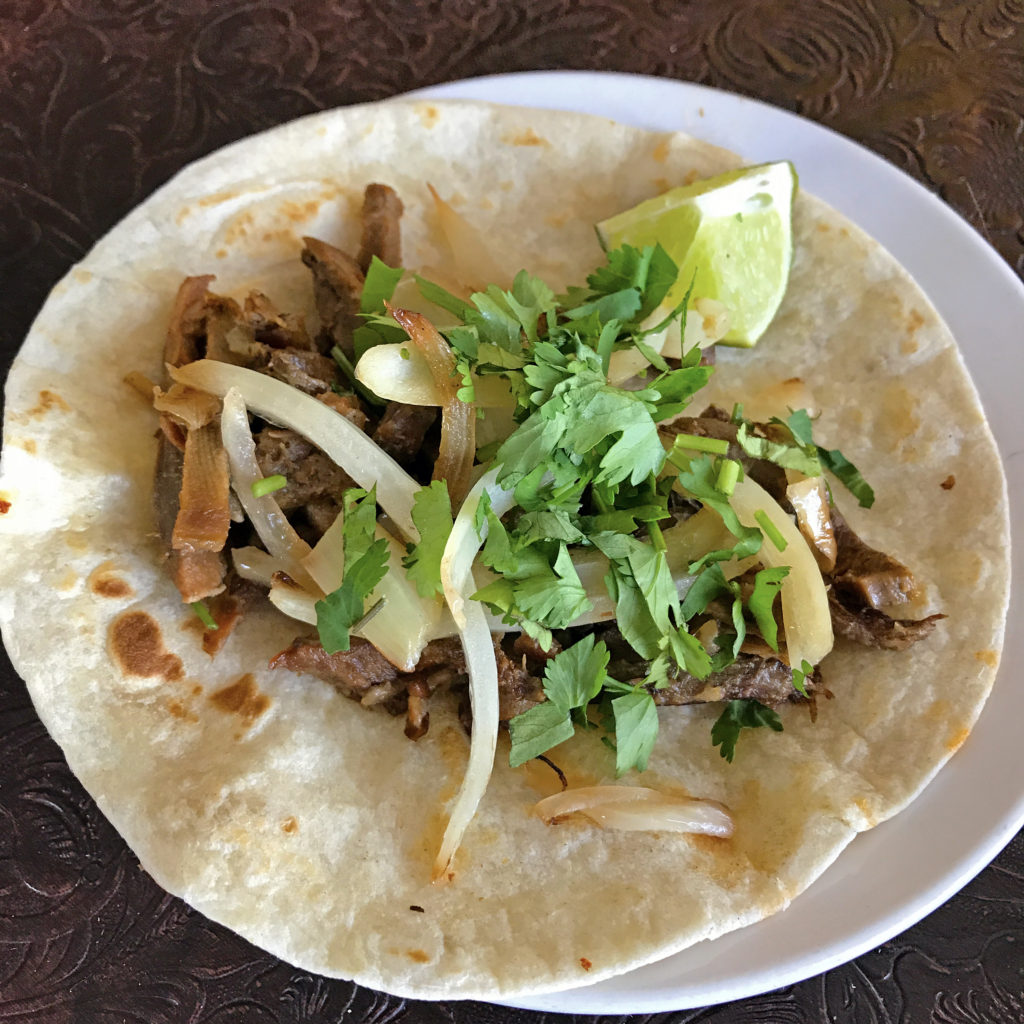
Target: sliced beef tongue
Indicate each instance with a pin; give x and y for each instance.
(364, 674)
(749, 677)
(308, 371)
(337, 290)
(872, 628)
(382, 232)
(361, 672)
(186, 331)
(273, 328)
(402, 429)
(348, 405)
(310, 473)
(871, 577)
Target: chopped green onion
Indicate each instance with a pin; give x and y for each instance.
(737, 413)
(199, 607)
(728, 474)
(771, 531)
(269, 484)
(404, 353)
(696, 443)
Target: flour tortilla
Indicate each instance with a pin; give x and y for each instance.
(308, 824)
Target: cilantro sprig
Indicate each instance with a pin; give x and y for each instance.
(366, 561)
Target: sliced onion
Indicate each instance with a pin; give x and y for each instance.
(636, 809)
(809, 499)
(406, 623)
(331, 432)
(293, 600)
(805, 614)
(271, 524)
(464, 543)
(255, 564)
(407, 378)
(472, 260)
(483, 697)
(458, 419)
(475, 634)
(326, 562)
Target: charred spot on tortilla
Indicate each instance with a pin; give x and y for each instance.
(104, 582)
(242, 698)
(137, 645)
(290, 825)
(48, 401)
(585, 963)
(949, 483)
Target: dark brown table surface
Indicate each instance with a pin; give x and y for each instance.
(101, 101)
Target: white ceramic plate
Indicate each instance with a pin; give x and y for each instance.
(891, 877)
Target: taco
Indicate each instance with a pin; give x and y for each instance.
(274, 804)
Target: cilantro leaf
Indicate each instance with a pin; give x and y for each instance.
(737, 716)
(789, 456)
(636, 730)
(537, 730)
(366, 562)
(379, 286)
(837, 463)
(344, 607)
(762, 598)
(432, 514)
(574, 677)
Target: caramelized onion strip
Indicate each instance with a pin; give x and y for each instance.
(636, 808)
(266, 516)
(458, 419)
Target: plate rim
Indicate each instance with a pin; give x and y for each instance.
(663, 985)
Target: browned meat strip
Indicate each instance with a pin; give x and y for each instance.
(170, 461)
(310, 473)
(364, 674)
(347, 405)
(518, 689)
(872, 628)
(871, 576)
(224, 318)
(197, 574)
(186, 332)
(337, 287)
(227, 610)
(749, 677)
(382, 233)
(402, 429)
(203, 515)
(270, 327)
(524, 646)
(361, 672)
(417, 717)
(308, 371)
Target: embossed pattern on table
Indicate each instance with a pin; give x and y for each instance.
(100, 102)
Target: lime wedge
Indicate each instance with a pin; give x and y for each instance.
(733, 230)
